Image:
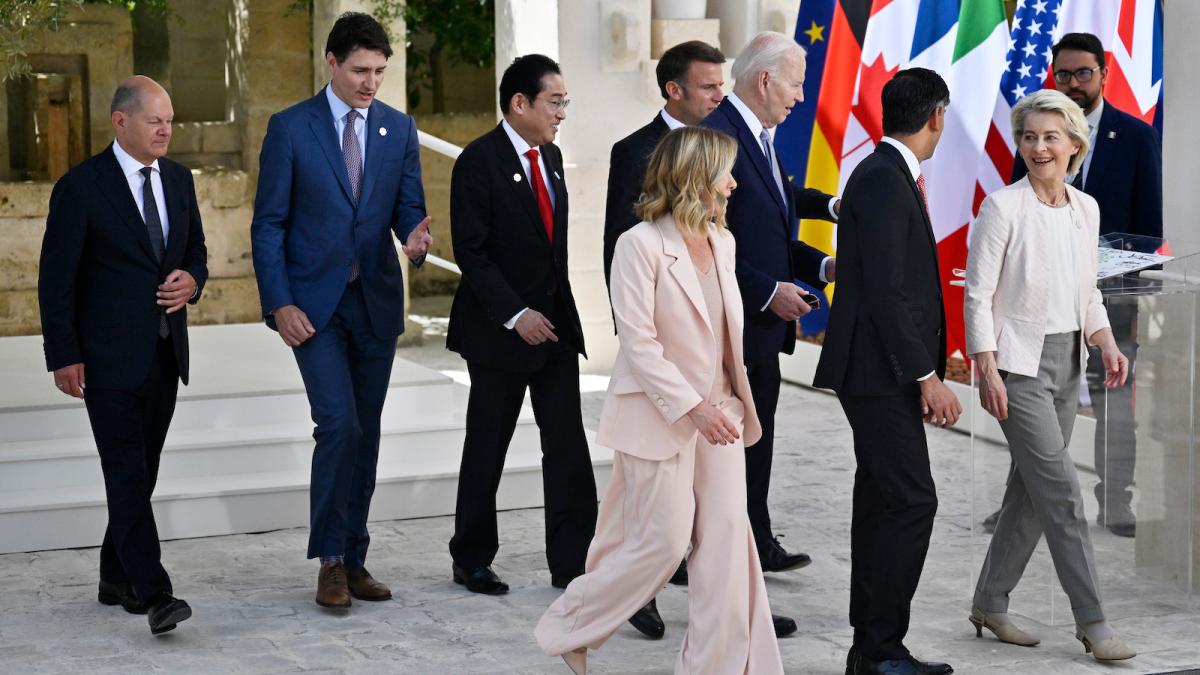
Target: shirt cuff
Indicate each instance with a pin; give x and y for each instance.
(922, 379)
(770, 298)
(821, 272)
(513, 321)
(832, 213)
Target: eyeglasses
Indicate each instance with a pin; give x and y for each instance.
(1083, 75)
(557, 104)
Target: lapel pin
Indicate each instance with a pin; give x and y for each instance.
(516, 178)
(1112, 134)
(557, 176)
(383, 131)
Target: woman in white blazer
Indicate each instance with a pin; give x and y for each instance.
(678, 415)
(1031, 309)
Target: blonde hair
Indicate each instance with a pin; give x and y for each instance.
(767, 51)
(681, 179)
(1054, 101)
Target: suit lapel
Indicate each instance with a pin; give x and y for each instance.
(116, 190)
(376, 147)
(517, 180)
(753, 150)
(682, 268)
(730, 295)
(177, 216)
(555, 173)
(1104, 146)
(896, 158)
(323, 129)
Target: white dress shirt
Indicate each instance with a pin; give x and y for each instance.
(522, 147)
(339, 108)
(672, 123)
(914, 168)
(132, 170)
(756, 128)
(1093, 120)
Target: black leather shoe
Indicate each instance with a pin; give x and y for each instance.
(166, 612)
(564, 580)
(930, 667)
(1120, 522)
(648, 622)
(852, 660)
(784, 625)
(680, 578)
(905, 666)
(480, 580)
(775, 559)
(120, 594)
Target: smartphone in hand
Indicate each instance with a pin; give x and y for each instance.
(812, 300)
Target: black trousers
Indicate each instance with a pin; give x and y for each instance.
(568, 485)
(129, 428)
(894, 504)
(764, 388)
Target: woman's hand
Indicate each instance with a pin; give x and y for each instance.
(993, 395)
(714, 426)
(1116, 364)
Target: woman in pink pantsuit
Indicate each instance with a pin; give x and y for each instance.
(678, 415)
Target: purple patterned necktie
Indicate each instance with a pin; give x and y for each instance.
(352, 154)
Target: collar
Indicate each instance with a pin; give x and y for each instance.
(518, 143)
(1093, 118)
(338, 107)
(129, 165)
(910, 158)
(752, 121)
(672, 123)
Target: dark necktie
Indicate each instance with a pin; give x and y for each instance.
(352, 156)
(924, 195)
(541, 194)
(154, 229)
(765, 138)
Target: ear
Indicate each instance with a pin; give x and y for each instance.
(674, 91)
(763, 78)
(118, 119)
(937, 119)
(518, 103)
(1103, 76)
(331, 60)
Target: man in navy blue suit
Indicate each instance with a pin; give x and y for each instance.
(768, 83)
(1123, 171)
(338, 174)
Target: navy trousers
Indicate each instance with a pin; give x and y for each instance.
(346, 369)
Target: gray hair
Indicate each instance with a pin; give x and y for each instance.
(127, 99)
(766, 51)
(1054, 101)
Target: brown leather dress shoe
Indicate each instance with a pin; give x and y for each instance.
(332, 590)
(364, 586)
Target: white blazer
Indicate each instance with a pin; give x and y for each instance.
(668, 357)
(1008, 276)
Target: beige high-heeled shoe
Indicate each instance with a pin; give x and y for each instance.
(1109, 649)
(576, 660)
(1005, 632)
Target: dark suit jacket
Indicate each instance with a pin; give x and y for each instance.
(1125, 176)
(98, 278)
(763, 224)
(887, 325)
(307, 227)
(506, 259)
(626, 173)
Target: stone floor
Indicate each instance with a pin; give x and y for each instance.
(252, 594)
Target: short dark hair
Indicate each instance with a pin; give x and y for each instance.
(355, 30)
(674, 64)
(910, 98)
(524, 76)
(1080, 42)
(127, 99)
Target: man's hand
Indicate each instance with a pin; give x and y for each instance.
(837, 208)
(178, 288)
(714, 426)
(939, 405)
(831, 270)
(534, 328)
(788, 302)
(293, 325)
(70, 380)
(419, 240)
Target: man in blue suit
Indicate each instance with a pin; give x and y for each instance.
(768, 82)
(338, 174)
(1123, 171)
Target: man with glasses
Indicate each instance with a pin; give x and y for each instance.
(1123, 171)
(514, 321)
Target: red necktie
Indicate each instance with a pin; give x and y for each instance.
(924, 195)
(541, 194)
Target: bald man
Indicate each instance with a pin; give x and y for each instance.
(122, 257)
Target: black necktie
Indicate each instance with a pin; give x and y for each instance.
(154, 229)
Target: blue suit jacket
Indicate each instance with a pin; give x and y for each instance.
(1125, 176)
(762, 223)
(307, 228)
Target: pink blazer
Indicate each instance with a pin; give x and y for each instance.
(668, 358)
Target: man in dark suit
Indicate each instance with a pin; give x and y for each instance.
(1123, 171)
(338, 175)
(514, 321)
(885, 356)
(762, 215)
(122, 257)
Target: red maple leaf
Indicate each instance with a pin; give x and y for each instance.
(869, 109)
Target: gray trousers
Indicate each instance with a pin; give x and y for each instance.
(1043, 493)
